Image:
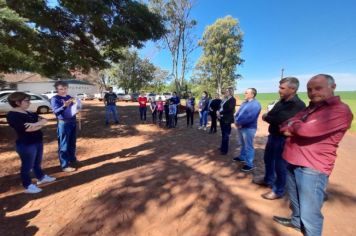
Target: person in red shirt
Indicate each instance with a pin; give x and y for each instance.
(142, 101)
(310, 150)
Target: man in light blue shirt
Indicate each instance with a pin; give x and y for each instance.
(246, 122)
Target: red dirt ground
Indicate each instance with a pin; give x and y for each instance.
(140, 179)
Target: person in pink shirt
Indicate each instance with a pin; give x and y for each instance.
(142, 101)
(310, 151)
(160, 108)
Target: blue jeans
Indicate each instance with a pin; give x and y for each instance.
(225, 133)
(247, 150)
(67, 137)
(111, 109)
(306, 190)
(31, 158)
(143, 113)
(203, 118)
(275, 165)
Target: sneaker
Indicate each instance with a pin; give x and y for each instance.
(204, 128)
(46, 179)
(247, 168)
(238, 159)
(200, 127)
(32, 189)
(69, 169)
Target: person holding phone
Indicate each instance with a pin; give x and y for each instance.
(65, 108)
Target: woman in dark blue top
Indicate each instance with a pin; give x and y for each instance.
(29, 144)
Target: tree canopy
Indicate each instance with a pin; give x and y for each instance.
(80, 34)
(132, 73)
(222, 44)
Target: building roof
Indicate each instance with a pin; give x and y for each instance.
(28, 77)
(25, 77)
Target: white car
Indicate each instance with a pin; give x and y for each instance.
(120, 96)
(50, 94)
(166, 96)
(39, 104)
(6, 92)
(151, 96)
(85, 96)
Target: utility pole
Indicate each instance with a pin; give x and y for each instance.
(282, 71)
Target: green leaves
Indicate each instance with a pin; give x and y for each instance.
(81, 34)
(221, 43)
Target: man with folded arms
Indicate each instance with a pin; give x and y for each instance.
(310, 151)
(275, 166)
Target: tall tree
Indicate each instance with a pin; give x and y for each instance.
(132, 73)
(222, 44)
(178, 38)
(80, 34)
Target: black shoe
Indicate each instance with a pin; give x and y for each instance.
(285, 222)
(238, 159)
(247, 168)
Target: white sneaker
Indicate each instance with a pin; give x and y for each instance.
(204, 128)
(200, 127)
(33, 189)
(46, 179)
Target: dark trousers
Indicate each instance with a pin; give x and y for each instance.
(67, 137)
(190, 116)
(213, 121)
(176, 119)
(167, 117)
(154, 116)
(31, 158)
(143, 113)
(160, 114)
(171, 122)
(225, 133)
(275, 165)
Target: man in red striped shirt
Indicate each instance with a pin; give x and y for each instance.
(310, 150)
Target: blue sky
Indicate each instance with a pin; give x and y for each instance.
(305, 37)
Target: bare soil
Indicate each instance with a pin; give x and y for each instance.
(142, 179)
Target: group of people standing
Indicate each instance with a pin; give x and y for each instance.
(29, 144)
(301, 149)
(299, 155)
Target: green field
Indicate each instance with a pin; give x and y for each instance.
(347, 97)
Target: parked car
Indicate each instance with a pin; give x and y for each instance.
(151, 96)
(50, 94)
(134, 97)
(163, 96)
(85, 96)
(120, 96)
(166, 96)
(127, 98)
(39, 104)
(6, 92)
(100, 96)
